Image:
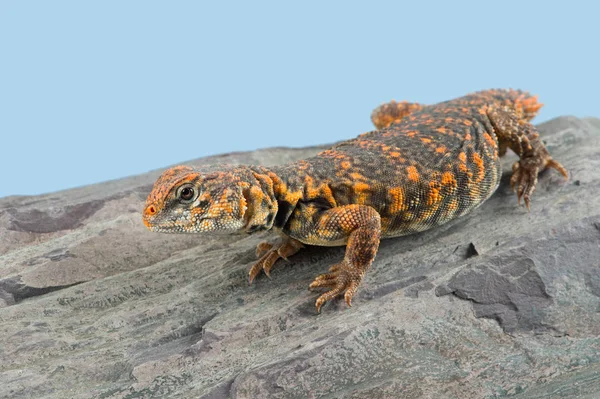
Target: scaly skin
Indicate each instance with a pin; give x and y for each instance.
(424, 166)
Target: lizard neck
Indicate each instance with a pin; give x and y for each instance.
(283, 188)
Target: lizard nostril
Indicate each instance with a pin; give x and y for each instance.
(151, 210)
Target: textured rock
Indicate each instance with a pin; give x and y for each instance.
(502, 303)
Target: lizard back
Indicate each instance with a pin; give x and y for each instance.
(434, 165)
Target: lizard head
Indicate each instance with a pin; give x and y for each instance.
(216, 199)
(184, 200)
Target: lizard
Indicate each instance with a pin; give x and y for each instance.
(423, 166)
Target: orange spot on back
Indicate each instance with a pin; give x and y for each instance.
(480, 166)
(462, 157)
(413, 174)
(434, 193)
(448, 178)
(361, 186)
(490, 140)
(303, 165)
(397, 200)
(361, 191)
(327, 153)
(426, 140)
(441, 149)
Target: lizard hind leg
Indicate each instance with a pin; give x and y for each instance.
(523, 138)
(392, 112)
(268, 254)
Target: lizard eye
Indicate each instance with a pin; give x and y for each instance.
(187, 193)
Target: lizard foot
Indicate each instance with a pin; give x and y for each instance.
(342, 279)
(525, 172)
(268, 254)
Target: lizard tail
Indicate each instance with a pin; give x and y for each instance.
(525, 104)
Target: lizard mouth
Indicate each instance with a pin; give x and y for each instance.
(171, 225)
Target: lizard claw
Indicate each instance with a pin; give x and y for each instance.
(268, 254)
(262, 248)
(525, 176)
(556, 165)
(265, 263)
(342, 279)
(523, 180)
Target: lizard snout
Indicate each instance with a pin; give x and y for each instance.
(149, 211)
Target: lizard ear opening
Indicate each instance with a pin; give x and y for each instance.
(246, 201)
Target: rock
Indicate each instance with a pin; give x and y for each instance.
(501, 303)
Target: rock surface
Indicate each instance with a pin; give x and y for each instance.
(502, 303)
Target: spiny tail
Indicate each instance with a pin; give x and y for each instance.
(525, 104)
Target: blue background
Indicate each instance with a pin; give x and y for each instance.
(91, 91)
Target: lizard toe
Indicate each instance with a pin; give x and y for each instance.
(262, 248)
(265, 263)
(342, 280)
(269, 254)
(557, 166)
(524, 180)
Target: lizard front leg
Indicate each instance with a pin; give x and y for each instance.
(359, 226)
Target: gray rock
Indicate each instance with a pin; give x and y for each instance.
(501, 303)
